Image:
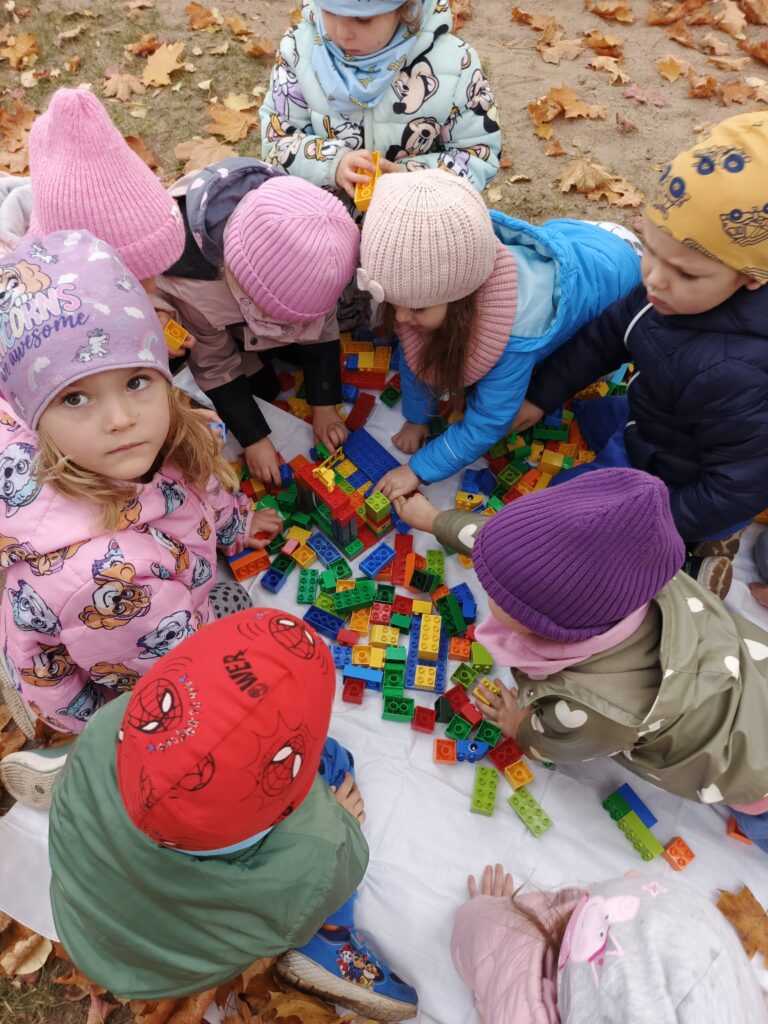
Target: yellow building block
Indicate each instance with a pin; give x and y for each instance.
(365, 361)
(544, 481)
(175, 335)
(422, 608)
(299, 408)
(518, 774)
(354, 348)
(537, 450)
(465, 501)
(364, 189)
(378, 655)
(361, 655)
(360, 621)
(304, 556)
(490, 686)
(425, 677)
(342, 585)
(384, 636)
(382, 356)
(326, 477)
(429, 637)
(296, 533)
(346, 468)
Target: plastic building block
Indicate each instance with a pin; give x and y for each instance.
(394, 676)
(421, 607)
(385, 594)
(308, 582)
(304, 556)
(529, 812)
(353, 692)
(383, 636)
(444, 751)
(381, 614)
(429, 637)
(484, 791)
(398, 709)
(248, 563)
(451, 614)
(616, 805)
(377, 507)
(459, 649)
(325, 603)
(678, 854)
(423, 720)
(360, 596)
(361, 654)
(341, 655)
(443, 710)
(364, 189)
(518, 774)
(641, 837)
(472, 714)
(493, 688)
(175, 335)
(342, 586)
(464, 675)
(323, 548)
(480, 658)
(370, 677)
(458, 728)
(425, 677)
(471, 750)
(505, 753)
(340, 568)
(348, 637)
(376, 560)
(273, 581)
(395, 653)
(366, 452)
(325, 623)
(360, 621)
(734, 832)
(488, 733)
(422, 581)
(360, 411)
(457, 698)
(637, 805)
(327, 582)
(401, 622)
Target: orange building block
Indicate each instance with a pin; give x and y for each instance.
(518, 774)
(678, 853)
(734, 832)
(175, 335)
(248, 564)
(459, 648)
(444, 751)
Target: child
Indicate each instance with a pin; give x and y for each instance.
(85, 175)
(478, 300)
(267, 257)
(695, 329)
(614, 651)
(191, 833)
(356, 76)
(114, 496)
(628, 949)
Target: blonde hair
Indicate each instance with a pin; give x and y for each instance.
(410, 15)
(190, 445)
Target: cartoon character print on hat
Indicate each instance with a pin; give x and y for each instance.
(222, 738)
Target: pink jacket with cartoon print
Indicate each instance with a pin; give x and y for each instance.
(85, 613)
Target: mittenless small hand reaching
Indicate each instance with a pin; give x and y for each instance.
(495, 881)
(348, 795)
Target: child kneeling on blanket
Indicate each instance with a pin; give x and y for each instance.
(614, 651)
(191, 833)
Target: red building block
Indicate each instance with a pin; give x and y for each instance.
(444, 751)
(423, 720)
(505, 753)
(457, 698)
(371, 380)
(380, 613)
(678, 853)
(347, 637)
(403, 544)
(353, 691)
(360, 411)
(472, 714)
(402, 605)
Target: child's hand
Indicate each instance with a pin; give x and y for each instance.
(348, 795)
(398, 482)
(410, 437)
(264, 520)
(355, 166)
(262, 462)
(495, 882)
(390, 167)
(417, 511)
(503, 709)
(164, 316)
(328, 426)
(527, 415)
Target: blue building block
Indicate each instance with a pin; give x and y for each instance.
(352, 361)
(286, 475)
(413, 661)
(357, 479)
(323, 548)
(368, 455)
(464, 596)
(341, 655)
(325, 623)
(350, 393)
(376, 560)
(372, 677)
(470, 481)
(399, 524)
(471, 750)
(554, 419)
(641, 809)
(273, 581)
(486, 482)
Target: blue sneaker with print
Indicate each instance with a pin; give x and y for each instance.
(337, 965)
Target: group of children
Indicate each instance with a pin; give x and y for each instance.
(205, 795)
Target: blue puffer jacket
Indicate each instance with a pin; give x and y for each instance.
(590, 269)
(698, 402)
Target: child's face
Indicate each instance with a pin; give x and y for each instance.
(506, 620)
(682, 282)
(112, 423)
(359, 37)
(428, 319)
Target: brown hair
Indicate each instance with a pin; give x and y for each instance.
(410, 15)
(442, 358)
(552, 934)
(191, 446)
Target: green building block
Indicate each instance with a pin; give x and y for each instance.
(308, 583)
(542, 433)
(423, 581)
(341, 569)
(348, 601)
(464, 675)
(488, 733)
(449, 610)
(495, 503)
(497, 450)
(284, 564)
(377, 507)
(401, 622)
(484, 791)
(436, 564)
(643, 840)
(480, 657)
(274, 546)
(344, 485)
(301, 519)
(509, 475)
(354, 548)
(287, 499)
(616, 805)
(394, 676)
(398, 709)
(390, 396)
(325, 603)
(529, 812)
(322, 451)
(328, 581)
(395, 655)
(268, 501)
(385, 594)
(458, 728)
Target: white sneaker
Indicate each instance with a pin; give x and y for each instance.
(29, 775)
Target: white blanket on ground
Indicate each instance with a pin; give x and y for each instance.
(423, 839)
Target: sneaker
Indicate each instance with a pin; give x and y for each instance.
(715, 573)
(29, 775)
(13, 700)
(727, 546)
(338, 966)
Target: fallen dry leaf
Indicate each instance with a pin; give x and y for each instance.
(199, 152)
(140, 5)
(495, 194)
(22, 946)
(238, 101)
(761, 88)
(555, 148)
(538, 22)
(756, 11)
(671, 68)
(728, 63)
(544, 131)
(71, 33)
(260, 48)
(231, 125)
(593, 180)
(702, 87)
(21, 50)
(517, 179)
(748, 918)
(611, 10)
(161, 65)
(624, 126)
(759, 51)
(142, 150)
(563, 100)
(11, 741)
(736, 92)
(680, 34)
(564, 49)
(611, 65)
(201, 18)
(634, 92)
(237, 26)
(145, 46)
(714, 45)
(604, 45)
(121, 86)
(219, 51)
(731, 19)
(462, 12)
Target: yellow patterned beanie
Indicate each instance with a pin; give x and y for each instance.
(713, 197)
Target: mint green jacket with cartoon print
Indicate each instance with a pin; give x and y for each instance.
(438, 111)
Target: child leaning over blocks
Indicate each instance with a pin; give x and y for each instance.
(614, 651)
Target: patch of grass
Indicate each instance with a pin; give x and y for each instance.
(40, 1003)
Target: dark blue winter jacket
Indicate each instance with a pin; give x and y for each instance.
(698, 401)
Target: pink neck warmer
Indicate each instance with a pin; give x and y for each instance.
(491, 328)
(539, 657)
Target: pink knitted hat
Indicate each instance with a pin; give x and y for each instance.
(292, 248)
(427, 239)
(86, 176)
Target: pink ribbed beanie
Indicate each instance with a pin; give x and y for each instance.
(427, 239)
(292, 248)
(86, 176)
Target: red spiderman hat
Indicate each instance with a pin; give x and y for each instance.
(222, 739)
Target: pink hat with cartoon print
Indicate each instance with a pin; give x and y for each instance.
(69, 308)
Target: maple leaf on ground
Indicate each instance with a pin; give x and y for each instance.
(761, 88)
(603, 45)
(595, 182)
(678, 33)
(260, 48)
(624, 126)
(538, 22)
(728, 63)
(564, 49)
(736, 92)
(238, 101)
(142, 150)
(611, 65)
(755, 10)
(200, 17)
(555, 148)
(121, 86)
(231, 125)
(24, 951)
(462, 12)
(671, 68)
(731, 19)
(161, 65)
(759, 51)
(20, 51)
(714, 45)
(199, 152)
(701, 87)
(611, 10)
(145, 46)
(237, 26)
(748, 918)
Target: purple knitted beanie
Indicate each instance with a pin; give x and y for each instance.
(569, 562)
(292, 248)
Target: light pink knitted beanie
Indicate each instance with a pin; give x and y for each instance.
(292, 248)
(427, 239)
(85, 175)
